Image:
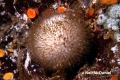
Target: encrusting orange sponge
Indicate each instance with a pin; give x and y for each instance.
(114, 78)
(90, 12)
(61, 9)
(2, 53)
(31, 13)
(8, 76)
(108, 2)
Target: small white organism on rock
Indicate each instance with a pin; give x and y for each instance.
(117, 36)
(27, 61)
(111, 23)
(114, 48)
(101, 19)
(111, 20)
(114, 11)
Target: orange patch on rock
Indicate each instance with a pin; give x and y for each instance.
(61, 9)
(114, 78)
(8, 76)
(2, 53)
(47, 11)
(108, 2)
(90, 12)
(31, 13)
